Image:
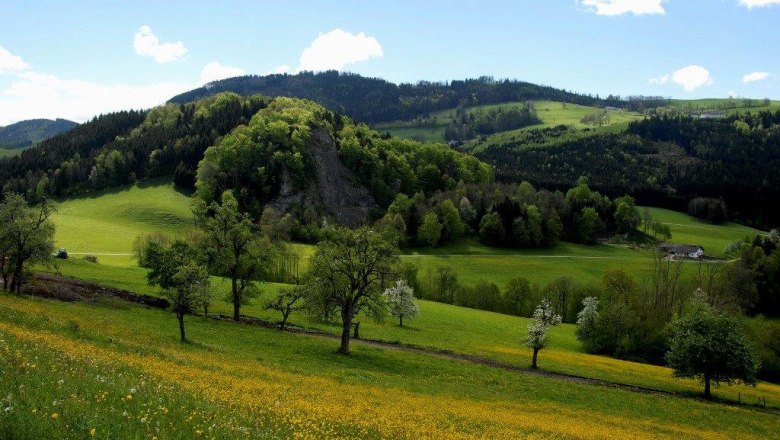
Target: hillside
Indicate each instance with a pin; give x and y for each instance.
(551, 113)
(292, 154)
(25, 134)
(375, 100)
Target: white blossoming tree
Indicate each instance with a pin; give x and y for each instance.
(401, 302)
(586, 319)
(544, 318)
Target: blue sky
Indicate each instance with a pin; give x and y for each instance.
(78, 59)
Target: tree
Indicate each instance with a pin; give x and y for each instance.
(453, 227)
(518, 291)
(712, 348)
(491, 229)
(348, 273)
(400, 301)
(543, 319)
(235, 250)
(626, 217)
(190, 290)
(175, 270)
(429, 232)
(288, 300)
(586, 318)
(26, 237)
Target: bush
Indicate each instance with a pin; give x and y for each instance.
(91, 258)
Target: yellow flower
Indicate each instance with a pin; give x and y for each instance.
(55, 416)
(92, 432)
(129, 397)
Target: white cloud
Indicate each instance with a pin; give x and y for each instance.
(214, 71)
(690, 78)
(284, 68)
(76, 100)
(661, 80)
(147, 44)
(620, 7)
(10, 62)
(733, 94)
(337, 49)
(755, 76)
(750, 4)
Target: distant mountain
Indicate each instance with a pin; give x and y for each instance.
(376, 100)
(32, 132)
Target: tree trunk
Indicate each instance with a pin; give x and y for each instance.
(181, 327)
(205, 310)
(357, 331)
(284, 321)
(707, 380)
(401, 320)
(236, 299)
(533, 360)
(344, 349)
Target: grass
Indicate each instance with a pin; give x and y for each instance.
(111, 221)
(688, 230)
(455, 329)
(118, 370)
(552, 113)
(715, 103)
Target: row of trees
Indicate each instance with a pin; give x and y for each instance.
(508, 215)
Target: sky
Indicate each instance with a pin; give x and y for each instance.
(75, 60)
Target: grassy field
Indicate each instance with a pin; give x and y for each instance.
(238, 381)
(717, 103)
(552, 113)
(108, 370)
(688, 230)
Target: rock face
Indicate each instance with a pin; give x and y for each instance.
(335, 189)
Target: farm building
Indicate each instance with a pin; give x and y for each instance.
(682, 250)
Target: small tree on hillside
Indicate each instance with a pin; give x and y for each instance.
(287, 301)
(235, 249)
(401, 302)
(586, 319)
(712, 348)
(543, 319)
(26, 237)
(348, 274)
(184, 281)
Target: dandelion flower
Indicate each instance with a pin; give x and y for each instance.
(55, 416)
(92, 432)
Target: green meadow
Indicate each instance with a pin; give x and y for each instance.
(551, 113)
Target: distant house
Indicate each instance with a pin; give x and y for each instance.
(691, 251)
(710, 115)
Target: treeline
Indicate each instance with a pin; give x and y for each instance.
(510, 215)
(119, 148)
(661, 161)
(376, 100)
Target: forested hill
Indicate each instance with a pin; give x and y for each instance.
(376, 100)
(663, 161)
(27, 133)
(269, 151)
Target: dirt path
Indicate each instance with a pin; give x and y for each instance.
(70, 289)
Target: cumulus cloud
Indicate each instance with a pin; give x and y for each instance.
(750, 4)
(10, 62)
(74, 99)
(214, 71)
(337, 49)
(755, 76)
(147, 44)
(620, 7)
(690, 78)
